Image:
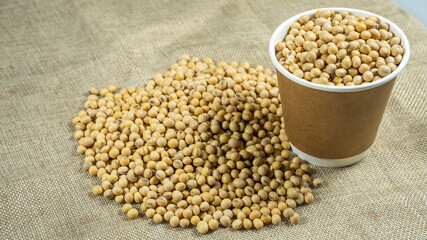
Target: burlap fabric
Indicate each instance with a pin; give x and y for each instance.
(52, 52)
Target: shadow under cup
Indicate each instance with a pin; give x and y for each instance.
(333, 126)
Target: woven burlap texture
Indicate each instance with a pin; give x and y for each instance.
(52, 52)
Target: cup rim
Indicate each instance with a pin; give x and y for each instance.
(284, 27)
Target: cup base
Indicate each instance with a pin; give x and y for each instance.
(325, 162)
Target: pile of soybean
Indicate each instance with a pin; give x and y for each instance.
(340, 49)
(201, 144)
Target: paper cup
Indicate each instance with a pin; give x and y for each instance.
(332, 126)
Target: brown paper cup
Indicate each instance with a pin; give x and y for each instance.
(332, 126)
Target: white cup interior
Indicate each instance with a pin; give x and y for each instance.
(280, 33)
